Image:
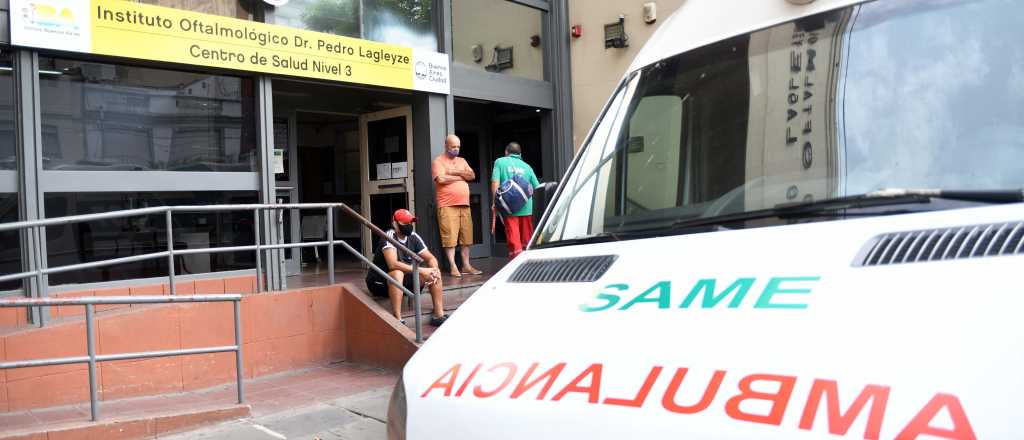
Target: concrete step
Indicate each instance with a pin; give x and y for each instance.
(137, 418)
(357, 417)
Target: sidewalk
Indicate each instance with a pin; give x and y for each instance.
(357, 417)
(325, 389)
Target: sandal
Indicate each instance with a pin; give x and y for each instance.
(474, 271)
(455, 274)
(437, 321)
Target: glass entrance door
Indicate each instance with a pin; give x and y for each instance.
(286, 183)
(386, 171)
(478, 156)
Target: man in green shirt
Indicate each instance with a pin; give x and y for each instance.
(519, 225)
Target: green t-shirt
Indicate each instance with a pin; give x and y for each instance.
(512, 164)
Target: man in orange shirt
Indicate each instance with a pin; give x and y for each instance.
(451, 173)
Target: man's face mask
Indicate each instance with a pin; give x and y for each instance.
(453, 152)
(405, 229)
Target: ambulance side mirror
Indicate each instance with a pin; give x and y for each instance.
(542, 195)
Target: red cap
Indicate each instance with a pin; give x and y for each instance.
(404, 217)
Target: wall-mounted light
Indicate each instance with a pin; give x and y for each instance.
(576, 31)
(535, 40)
(650, 12)
(478, 53)
(615, 34)
(502, 59)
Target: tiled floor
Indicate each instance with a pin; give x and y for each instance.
(266, 395)
(457, 290)
(353, 272)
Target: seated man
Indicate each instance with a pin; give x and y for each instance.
(399, 266)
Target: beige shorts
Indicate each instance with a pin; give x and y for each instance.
(456, 225)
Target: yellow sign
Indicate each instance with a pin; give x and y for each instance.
(133, 30)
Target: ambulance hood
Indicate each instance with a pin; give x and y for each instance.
(770, 333)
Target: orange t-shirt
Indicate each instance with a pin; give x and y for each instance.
(454, 193)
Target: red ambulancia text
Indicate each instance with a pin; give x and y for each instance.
(509, 380)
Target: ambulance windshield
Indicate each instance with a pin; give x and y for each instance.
(908, 94)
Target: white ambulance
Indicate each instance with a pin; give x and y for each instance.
(793, 219)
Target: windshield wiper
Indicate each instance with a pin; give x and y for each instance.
(873, 199)
(631, 234)
(885, 197)
(984, 196)
(587, 239)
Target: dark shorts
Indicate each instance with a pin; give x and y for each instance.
(379, 286)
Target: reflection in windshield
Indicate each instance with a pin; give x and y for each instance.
(914, 94)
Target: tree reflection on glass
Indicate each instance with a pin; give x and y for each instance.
(404, 22)
(339, 17)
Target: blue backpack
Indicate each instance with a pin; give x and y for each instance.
(513, 194)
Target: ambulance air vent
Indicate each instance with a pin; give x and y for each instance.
(563, 270)
(974, 241)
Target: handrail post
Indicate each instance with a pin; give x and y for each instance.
(416, 299)
(91, 347)
(330, 245)
(170, 254)
(41, 291)
(282, 283)
(238, 350)
(259, 264)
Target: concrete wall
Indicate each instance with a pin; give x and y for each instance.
(596, 70)
(497, 22)
(280, 331)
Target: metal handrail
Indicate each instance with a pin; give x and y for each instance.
(36, 229)
(92, 358)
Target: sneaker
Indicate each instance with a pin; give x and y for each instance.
(437, 321)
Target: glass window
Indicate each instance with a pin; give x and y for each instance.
(498, 36)
(10, 249)
(227, 8)
(10, 242)
(834, 106)
(338, 17)
(408, 23)
(116, 238)
(98, 116)
(8, 157)
(386, 144)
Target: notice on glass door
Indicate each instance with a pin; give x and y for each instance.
(384, 170)
(399, 170)
(278, 161)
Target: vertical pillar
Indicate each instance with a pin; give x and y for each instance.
(429, 130)
(443, 18)
(28, 139)
(265, 114)
(558, 72)
(433, 117)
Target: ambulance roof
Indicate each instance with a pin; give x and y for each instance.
(700, 22)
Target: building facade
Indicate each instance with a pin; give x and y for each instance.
(598, 67)
(195, 102)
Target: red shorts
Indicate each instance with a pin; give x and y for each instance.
(518, 231)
